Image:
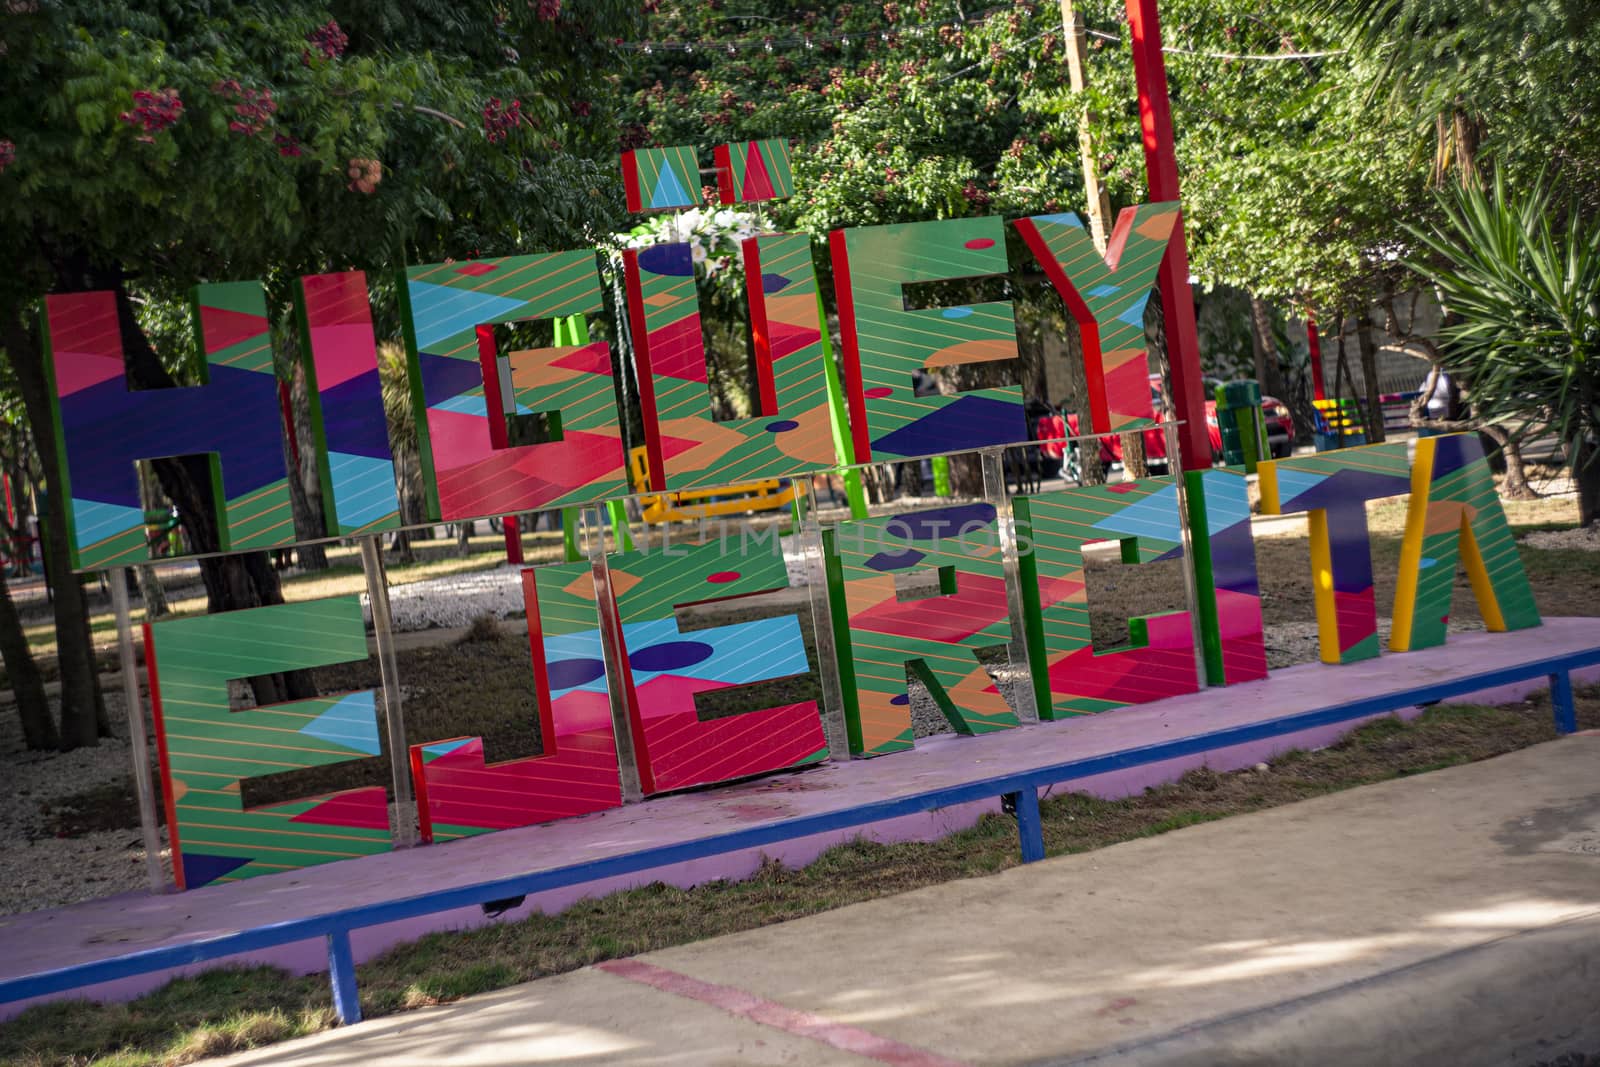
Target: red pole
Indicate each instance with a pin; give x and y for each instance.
(513, 539)
(1177, 302)
(1314, 348)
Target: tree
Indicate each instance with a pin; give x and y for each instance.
(362, 135)
(1489, 84)
(22, 670)
(1491, 87)
(1523, 281)
(1293, 192)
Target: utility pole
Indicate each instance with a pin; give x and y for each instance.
(1077, 37)
(1077, 71)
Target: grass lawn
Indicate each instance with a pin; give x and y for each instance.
(226, 1010)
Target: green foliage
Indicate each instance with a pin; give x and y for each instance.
(1524, 281)
(1495, 78)
(929, 110)
(1292, 188)
(288, 157)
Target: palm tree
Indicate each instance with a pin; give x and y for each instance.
(1457, 64)
(1523, 283)
(397, 409)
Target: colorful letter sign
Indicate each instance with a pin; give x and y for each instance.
(106, 428)
(207, 749)
(884, 344)
(665, 667)
(353, 456)
(661, 179)
(459, 794)
(1227, 586)
(1454, 511)
(448, 312)
(882, 630)
(1335, 487)
(1106, 295)
(687, 448)
(752, 171)
(658, 640)
(1069, 676)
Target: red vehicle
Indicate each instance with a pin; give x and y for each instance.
(1280, 430)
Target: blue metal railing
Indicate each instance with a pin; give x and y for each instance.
(1019, 789)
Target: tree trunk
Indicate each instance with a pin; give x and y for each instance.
(151, 593)
(1265, 348)
(33, 706)
(81, 704)
(966, 475)
(1369, 371)
(1341, 365)
(1586, 473)
(1468, 133)
(464, 532)
(102, 721)
(1515, 486)
(872, 478)
(1090, 470)
(1134, 461)
(305, 486)
(403, 552)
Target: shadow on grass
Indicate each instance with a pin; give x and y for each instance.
(226, 1010)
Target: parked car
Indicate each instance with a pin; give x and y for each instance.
(1274, 412)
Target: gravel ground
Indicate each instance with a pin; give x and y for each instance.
(1586, 538)
(38, 870)
(457, 600)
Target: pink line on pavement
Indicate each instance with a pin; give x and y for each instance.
(770, 1013)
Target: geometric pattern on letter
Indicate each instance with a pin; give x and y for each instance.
(1455, 513)
(1070, 677)
(884, 344)
(661, 179)
(207, 750)
(446, 310)
(752, 171)
(346, 398)
(1334, 487)
(458, 794)
(687, 448)
(880, 636)
(665, 667)
(105, 428)
(1106, 295)
(1226, 583)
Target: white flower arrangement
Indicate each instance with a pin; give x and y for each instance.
(714, 236)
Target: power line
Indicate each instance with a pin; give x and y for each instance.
(811, 41)
(1274, 57)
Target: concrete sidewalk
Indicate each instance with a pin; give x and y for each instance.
(1452, 917)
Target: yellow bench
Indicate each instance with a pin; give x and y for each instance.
(688, 505)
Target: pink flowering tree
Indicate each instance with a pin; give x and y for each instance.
(145, 150)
